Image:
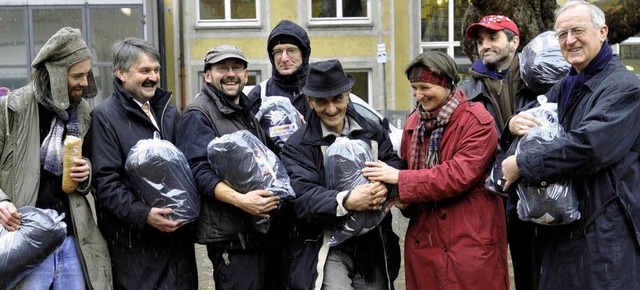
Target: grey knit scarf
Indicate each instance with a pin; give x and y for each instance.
(51, 149)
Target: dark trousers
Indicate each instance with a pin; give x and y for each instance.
(238, 269)
(525, 246)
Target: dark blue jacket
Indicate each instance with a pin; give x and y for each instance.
(315, 205)
(601, 155)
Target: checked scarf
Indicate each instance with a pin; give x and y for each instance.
(433, 122)
(51, 149)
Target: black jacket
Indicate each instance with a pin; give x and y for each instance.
(315, 205)
(117, 125)
(207, 117)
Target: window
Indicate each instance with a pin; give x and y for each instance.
(228, 12)
(26, 28)
(14, 64)
(441, 29)
(361, 86)
(332, 11)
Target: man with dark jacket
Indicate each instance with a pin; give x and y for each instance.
(237, 251)
(288, 49)
(368, 261)
(497, 84)
(598, 105)
(148, 250)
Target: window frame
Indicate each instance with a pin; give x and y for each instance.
(339, 20)
(450, 44)
(228, 22)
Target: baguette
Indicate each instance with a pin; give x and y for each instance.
(72, 150)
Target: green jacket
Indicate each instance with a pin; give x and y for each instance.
(20, 178)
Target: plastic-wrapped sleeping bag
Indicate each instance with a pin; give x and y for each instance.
(556, 204)
(162, 178)
(41, 232)
(279, 118)
(542, 63)
(245, 164)
(344, 161)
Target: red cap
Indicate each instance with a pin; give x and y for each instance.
(493, 22)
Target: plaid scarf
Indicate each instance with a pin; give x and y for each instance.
(434, 122)
(51, 149)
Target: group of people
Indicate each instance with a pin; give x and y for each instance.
(458, 229)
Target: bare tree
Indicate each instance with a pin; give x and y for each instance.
(536, 16)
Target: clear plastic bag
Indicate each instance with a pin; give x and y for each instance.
(542, 63)
(344, 161)
(556, 204)
(279, 118)
(245, 164)
(162, 178)
(41, 232)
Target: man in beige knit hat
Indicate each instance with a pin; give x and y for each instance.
(34, 121)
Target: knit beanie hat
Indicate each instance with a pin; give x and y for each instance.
(62, 50)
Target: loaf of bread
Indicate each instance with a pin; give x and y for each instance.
(72, 150)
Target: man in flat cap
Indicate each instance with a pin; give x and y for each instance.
(497, 84)
(367, 261)
(237, 251)
(34, 121)
(148, 250)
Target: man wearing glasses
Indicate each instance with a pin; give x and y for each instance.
(288, 49)
(598, 105)
(236, 250)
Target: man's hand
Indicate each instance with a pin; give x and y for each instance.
(157, 219)
(80, 170)
(258, 202)
(522, 123)
(510, 171)
(9, 216)
(366, 197)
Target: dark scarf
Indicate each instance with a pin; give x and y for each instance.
(575, 80)
(433, 122)
(51, 149)
(480, 67)
(292, 83)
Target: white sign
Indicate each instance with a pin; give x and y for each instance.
(382, 53)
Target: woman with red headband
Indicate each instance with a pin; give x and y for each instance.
(456, 237)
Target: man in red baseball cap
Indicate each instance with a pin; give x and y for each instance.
(496, 83)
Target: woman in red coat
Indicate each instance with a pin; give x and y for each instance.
(456, 237)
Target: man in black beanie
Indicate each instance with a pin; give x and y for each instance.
(288, 49)
(34, 121)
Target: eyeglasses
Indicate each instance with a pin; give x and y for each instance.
(237, 69)
(291, 51)
(576, 32)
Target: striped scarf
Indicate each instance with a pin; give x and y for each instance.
(434, 122)
(51, 149)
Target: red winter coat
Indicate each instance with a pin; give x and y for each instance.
(456, 237)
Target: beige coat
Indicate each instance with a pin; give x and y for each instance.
(20, 176)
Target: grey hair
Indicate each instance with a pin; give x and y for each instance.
(597, 15)
(510, 34)
(437, 62)
(126, 52)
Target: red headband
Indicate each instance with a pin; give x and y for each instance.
(423, 74)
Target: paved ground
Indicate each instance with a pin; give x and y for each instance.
(399, 226)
